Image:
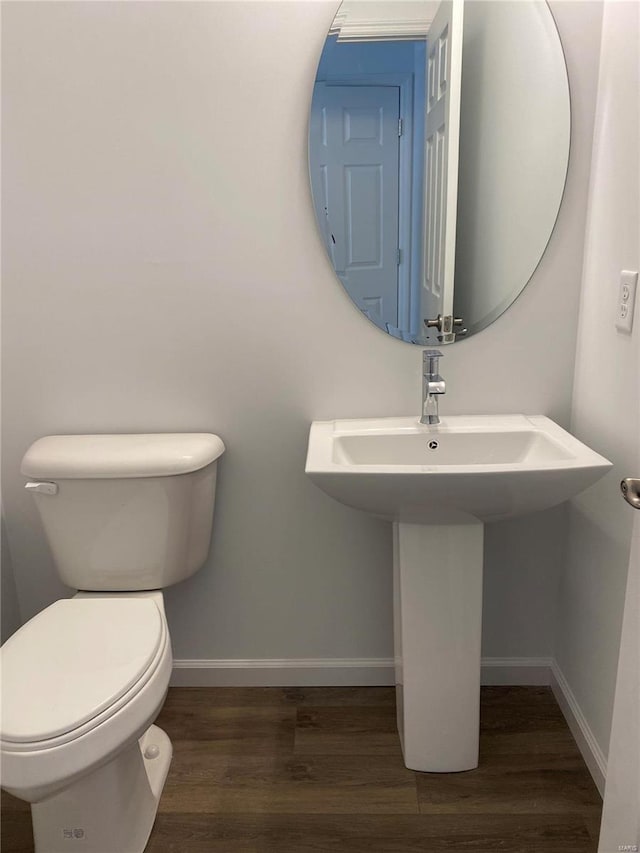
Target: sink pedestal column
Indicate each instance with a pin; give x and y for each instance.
(437, 590)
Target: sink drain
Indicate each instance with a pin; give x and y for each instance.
(433, 444)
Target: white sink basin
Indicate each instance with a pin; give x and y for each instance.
(439, 484)
(489, 467)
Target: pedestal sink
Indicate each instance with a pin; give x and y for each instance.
(439, 485)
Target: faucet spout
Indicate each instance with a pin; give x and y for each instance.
(433, 385)
(430, 410)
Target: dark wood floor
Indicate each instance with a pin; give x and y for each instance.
(319, 770)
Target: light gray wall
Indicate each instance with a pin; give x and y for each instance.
(10, 610)
(162, 272)
(9, 606)
(605, 401)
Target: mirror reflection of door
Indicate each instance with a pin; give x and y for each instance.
(354, 152)
(379, 159)
(442, 140)
(513, 148)
(392, 247)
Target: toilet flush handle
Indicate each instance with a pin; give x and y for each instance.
(42, 488)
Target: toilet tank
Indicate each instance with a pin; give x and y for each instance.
(125, 512)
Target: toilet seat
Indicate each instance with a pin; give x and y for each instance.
(75, 665)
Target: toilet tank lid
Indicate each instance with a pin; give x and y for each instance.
(120, 456)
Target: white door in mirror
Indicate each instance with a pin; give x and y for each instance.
(442, 142)
(626, 300)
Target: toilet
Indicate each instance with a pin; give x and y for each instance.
(83, 681)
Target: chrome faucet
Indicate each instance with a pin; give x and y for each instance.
(432, 386)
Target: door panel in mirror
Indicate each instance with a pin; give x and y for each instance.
(442, 139)
(354, 153)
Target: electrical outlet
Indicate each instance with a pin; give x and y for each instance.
(626, 300)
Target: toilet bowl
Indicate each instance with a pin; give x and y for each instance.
(80, 679)
(83, 681)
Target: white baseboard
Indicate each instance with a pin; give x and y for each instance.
(338, 672)
(288, 672)
(587, 744)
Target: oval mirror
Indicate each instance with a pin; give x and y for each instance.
(438, 149)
